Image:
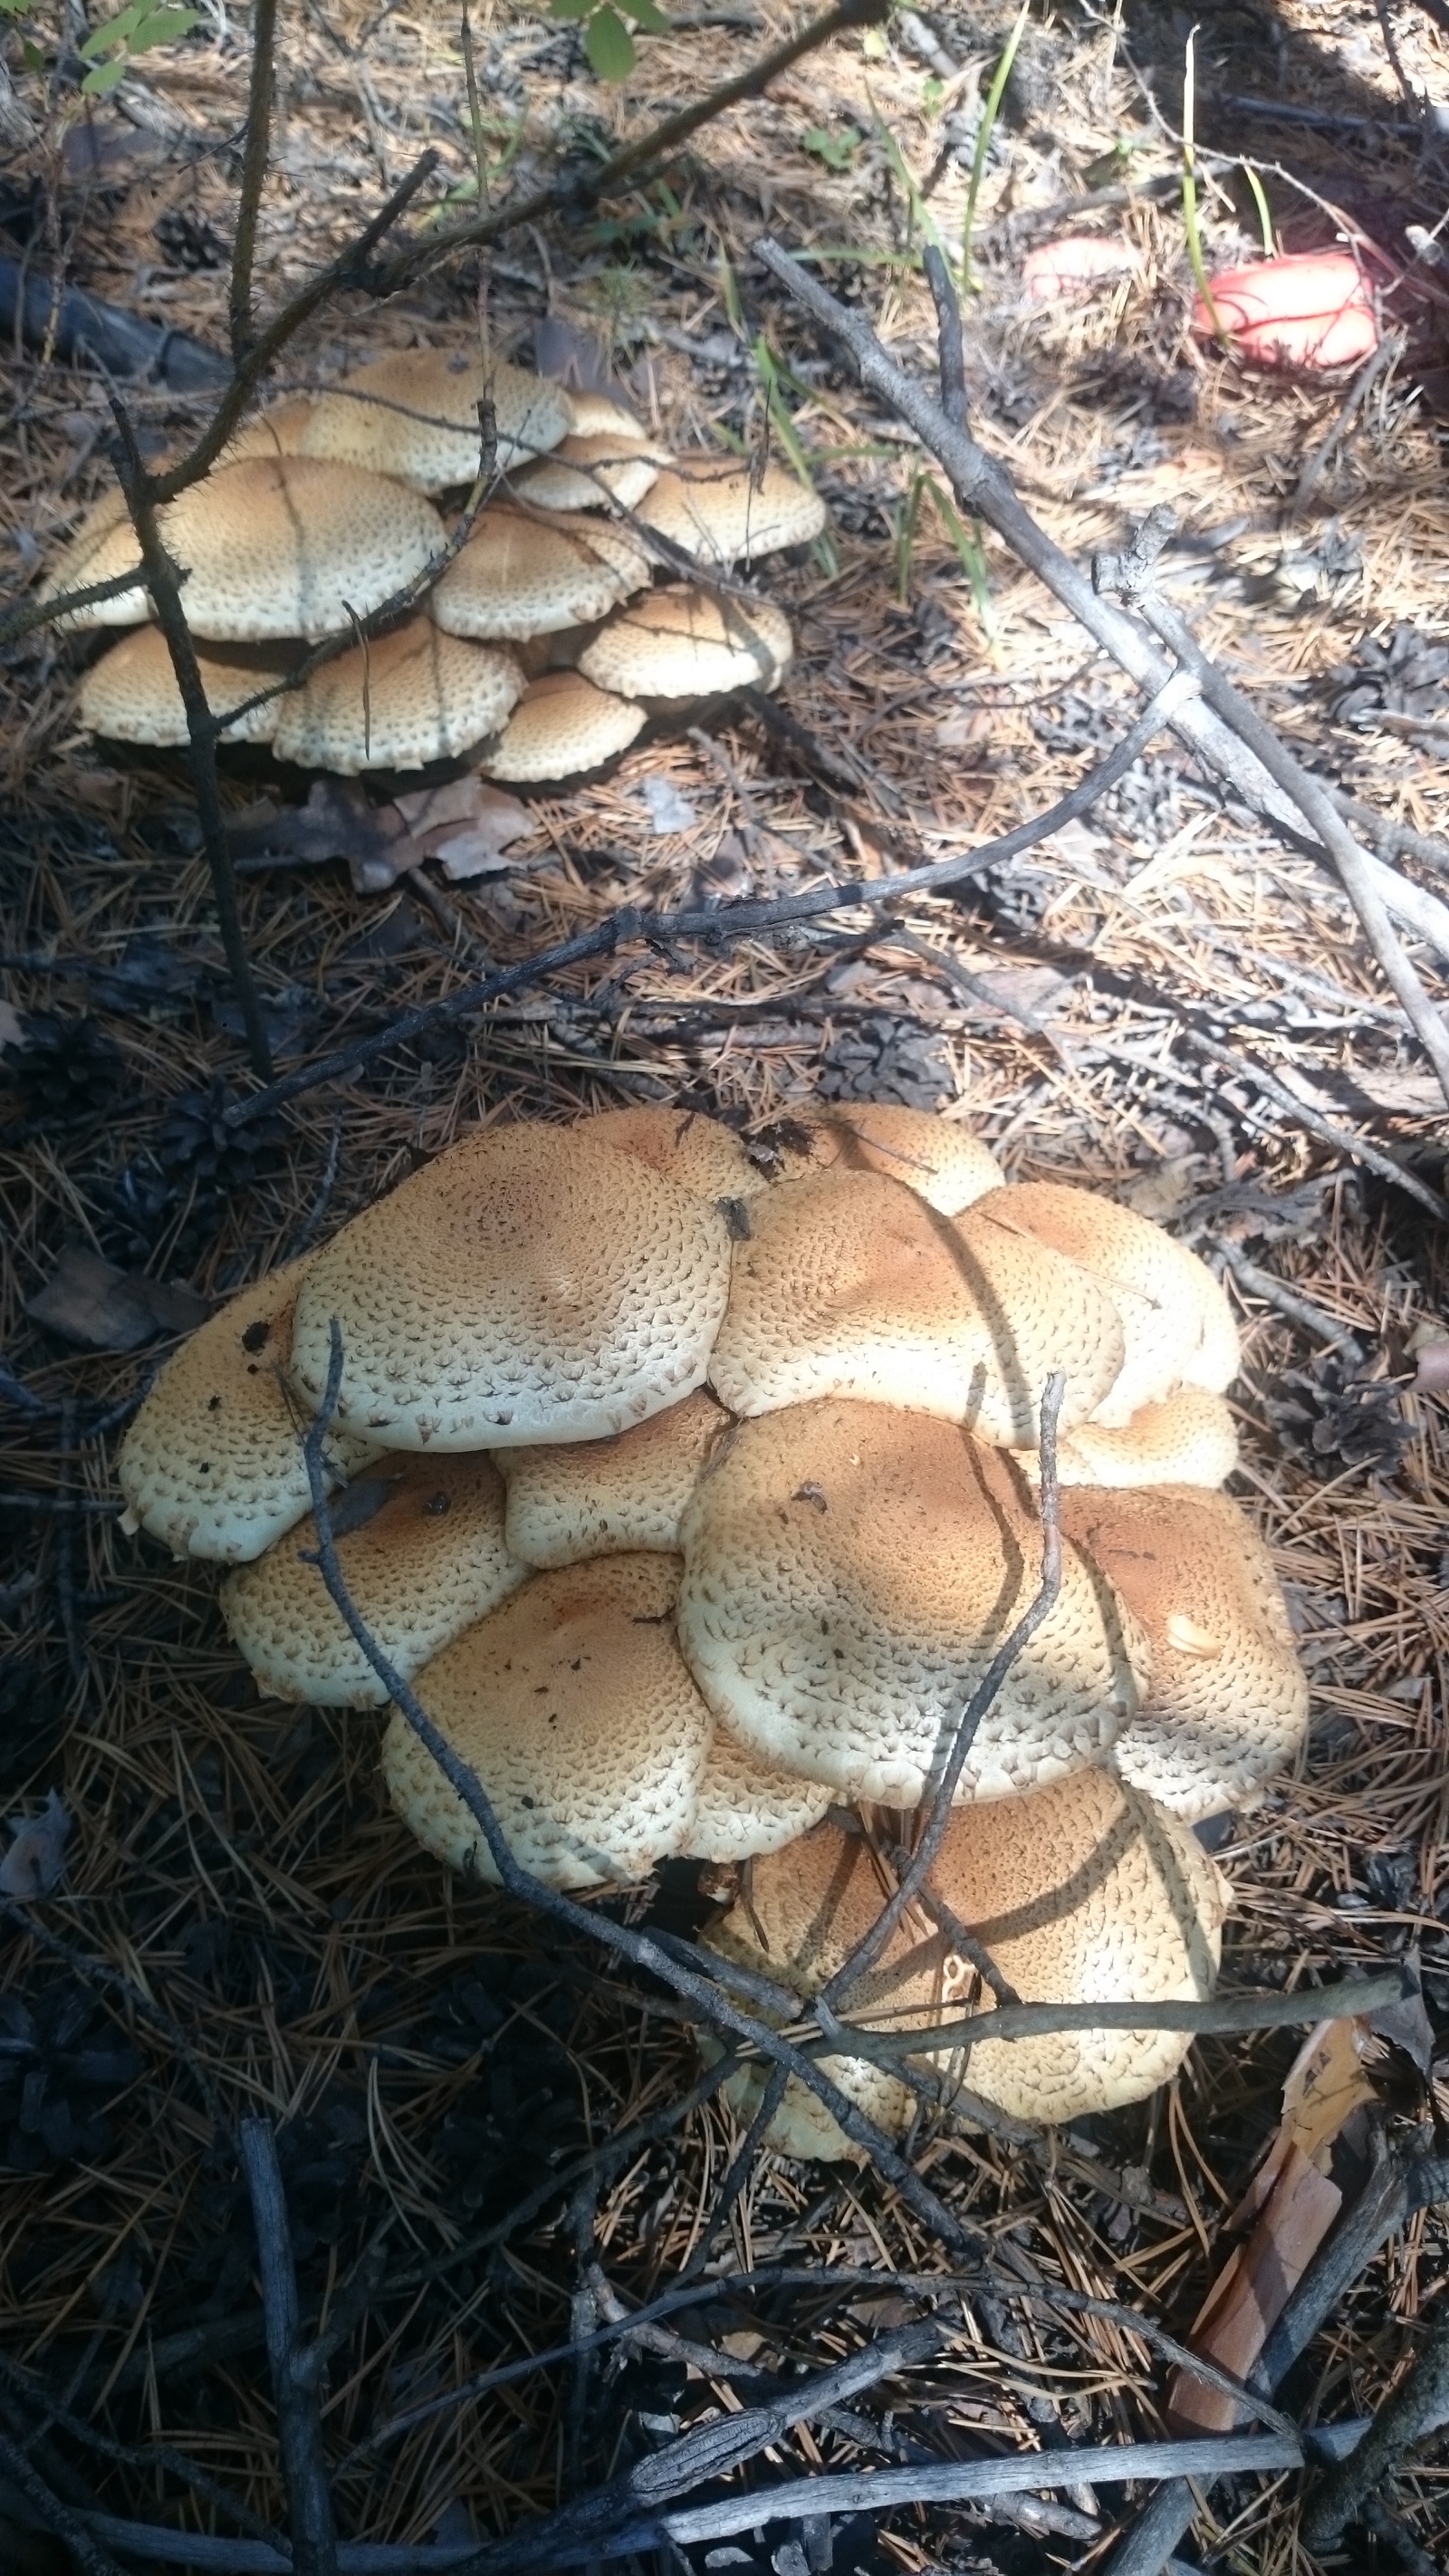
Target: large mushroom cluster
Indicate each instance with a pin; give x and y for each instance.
(544, 646)
(693, 1497)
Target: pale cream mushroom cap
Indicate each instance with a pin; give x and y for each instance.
(561, 726)
(582, 1498)
(1227, 1699)
(942, 1162)
(1188, 1439)
(212, 1465)
(680, 643)
(746, 1806)
(1084, 1892)
(849, 1573)
(520, 576)
(852, 1285)
(403, 699)
(427, 1562)
(621, 458)
(97, 552)
(1178, 1323)
(712, 508)
(421, 424)
(700, 1153)
(530, 1284)
(131, 695)
(277, 431)
(573, 1706)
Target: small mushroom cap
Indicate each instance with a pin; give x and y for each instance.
(414, 414)
(399, 701)
(701, 1153)
(1188, 1439)
(1227, 1700)
(712, 507)
(582, 1498)
(850, 1571)
(1082, 1893)
(277, 431)
(531, 1284)
(607, 455)
(746, 1806)
(561, 727)
(680, 643)
(519, 576)
(425, 1563)
(574, 1707)
(943, 1163)
(852, 1285)
(1178, 1323)
(131, 695)
(212, 1465)
(97, 552)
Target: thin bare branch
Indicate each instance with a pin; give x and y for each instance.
(253, 177)
(299, 2415)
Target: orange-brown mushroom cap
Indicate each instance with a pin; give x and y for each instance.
(581, 1498)
(942, 1162)
(1190, 1438)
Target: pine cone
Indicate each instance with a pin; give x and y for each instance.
(1332, 1420)
(64, 1067)
(196, 1148)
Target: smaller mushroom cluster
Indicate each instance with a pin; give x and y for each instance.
(542, 649)
(694, 1492)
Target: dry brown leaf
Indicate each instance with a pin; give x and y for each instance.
(87, 1300)
(35, 1862)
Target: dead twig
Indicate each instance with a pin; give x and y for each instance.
(253, 178)
(1419, 2405)
(296, 2371)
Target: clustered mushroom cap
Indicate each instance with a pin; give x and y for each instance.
(397, 702)
(428, 1560)
(531, 1284)
(212, 1465)
(681, 643)
(851, 1570)
(1190, 1438)
(701, 1153)
(414, 414)
(94, 553)
(277, 431)
(520, 576)
(561, 727)
(131, 695)
(716, 510)
(942, 1162)
(577, 1499)
(607, 456)
(747, 1806)
(575, 1709)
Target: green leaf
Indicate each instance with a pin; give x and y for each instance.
(105, 77)
(571, 8)
(109, 39)
(609, 45)
(837, 151)
(645, 15)
(164, 27)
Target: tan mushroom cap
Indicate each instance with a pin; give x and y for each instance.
(427, 1562)
(608, 455)
(414, 414)
(561, 727)
(680, 643)
(746, 1806)
(399, 701)
(852, 1285)
(1178, 1323)
(531, 1284)
(519, 576)
(850, 1571)
(701, 1153)
(277, 546)
(942, 1162)
(277, 431)
(131, 695)
(574, 1707)
(212, 1465)
(1227, 1699)
(576, 1499)
(1188, 1439)
(1082, 1893)
(96, 552)
(712, 507)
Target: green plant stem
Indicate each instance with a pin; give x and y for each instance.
(984, 133)
(1189, 201)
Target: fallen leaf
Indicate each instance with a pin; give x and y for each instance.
(12, 1032)
(87, 1300)
(466, 823)
(35, 1862)
(668, 810)
(1252, 2291)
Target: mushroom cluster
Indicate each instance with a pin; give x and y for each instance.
(542, 649)
(693, 1490)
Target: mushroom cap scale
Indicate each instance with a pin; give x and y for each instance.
(427, 1562)
(399, 701)
(578, 1499)
(97, 552)
(561, 727)
(746, 1806)
(701, 1153)
(716, 509)
(212, 1465)
(277, 431)
(1227, 1699)
(607, 456)
(574, 1708)
(519, 576)
(1190, 1438)
(942, 1162)
(414, 415)
(681, 643)
(530, 1284)
(849, 1573)
(131, 695)
(852, 1285)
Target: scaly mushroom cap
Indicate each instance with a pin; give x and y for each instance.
(944, 1164)
(131, 695)
(1227, 1700)
(1178, 1323)
(746, 1806)
(276, 546)
(573, 1706)
(405, 698)
(561, 726)
(682, 644)
(852, 1285)
(712, 507)
(582, 1498)
(1081, 1893)
(1188, 1439)
(701, 1153)
(531, 1284)
(519, 576)
(422, 1553)
(607, 456)
(277, 431)
(850, 1572)
(212, 1465)
(97, 552)
(414, 414)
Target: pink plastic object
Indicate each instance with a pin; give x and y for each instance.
(1311, 309)
(1056, 270)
